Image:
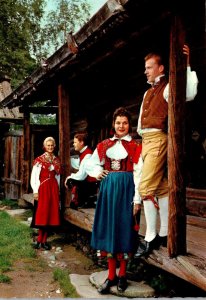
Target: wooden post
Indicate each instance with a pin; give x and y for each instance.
(27, 153)
(64, 140)
(176, 120)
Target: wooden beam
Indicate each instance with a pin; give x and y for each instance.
(82, 218)
(27, 154)
(64, 138)
(11, 180)
(188, 267)
(177, 189)
(41, 110)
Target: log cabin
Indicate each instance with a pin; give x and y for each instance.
(100, 68)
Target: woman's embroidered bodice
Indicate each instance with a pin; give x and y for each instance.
(49, 164)
(119, 155)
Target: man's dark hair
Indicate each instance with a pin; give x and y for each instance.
(82, 136)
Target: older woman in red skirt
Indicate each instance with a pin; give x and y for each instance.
(45, 179)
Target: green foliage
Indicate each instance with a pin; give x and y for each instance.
(16, 127)
(14, 243)
(43, 119)
(19, 27)
(28, 34)
(69, 16)
(10, 203)
(62, 276)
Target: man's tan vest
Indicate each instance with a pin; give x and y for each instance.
(155, 107)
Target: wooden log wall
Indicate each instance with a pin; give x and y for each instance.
(196, 203)
(13, 160)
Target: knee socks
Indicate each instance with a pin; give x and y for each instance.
(123, 268)
(150, 212)
(112, 263)
(163, 211)
(42, 236)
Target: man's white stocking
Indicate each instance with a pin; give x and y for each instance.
(163, 211)
(150, 212)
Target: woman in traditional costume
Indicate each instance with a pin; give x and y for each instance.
(45, 180)
(113, 162)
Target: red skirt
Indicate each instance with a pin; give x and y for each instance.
(47, 208)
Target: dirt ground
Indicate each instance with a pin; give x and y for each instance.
(35, 279)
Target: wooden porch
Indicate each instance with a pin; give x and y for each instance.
(190, 267)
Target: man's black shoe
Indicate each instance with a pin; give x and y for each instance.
(122, 284)
(105, 287)
(145, 248)
(163, 241)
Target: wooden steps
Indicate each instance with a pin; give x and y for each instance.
(191, 267)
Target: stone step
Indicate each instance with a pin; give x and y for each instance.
(86, 286)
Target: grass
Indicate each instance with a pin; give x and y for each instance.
(62, 276)
(12, 204)
(15, 243)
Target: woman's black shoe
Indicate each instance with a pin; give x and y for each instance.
(145, 248)
(37, 245)
(45, 246)
(105, 287)
(122, 284)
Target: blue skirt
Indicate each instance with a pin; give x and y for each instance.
(113, 222)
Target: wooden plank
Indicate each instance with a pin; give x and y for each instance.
(185, 267)
(81, 218)
(196, 221)
(13, 164)
(43, 110)
(196, 242)
(11, 180)
(196, 194)
(196, 202)
(196, 207)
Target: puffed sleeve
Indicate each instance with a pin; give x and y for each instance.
(191, 86)
(35, 182)
(93, 166)
(75, 162)
(192, 83)
(81, 174)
